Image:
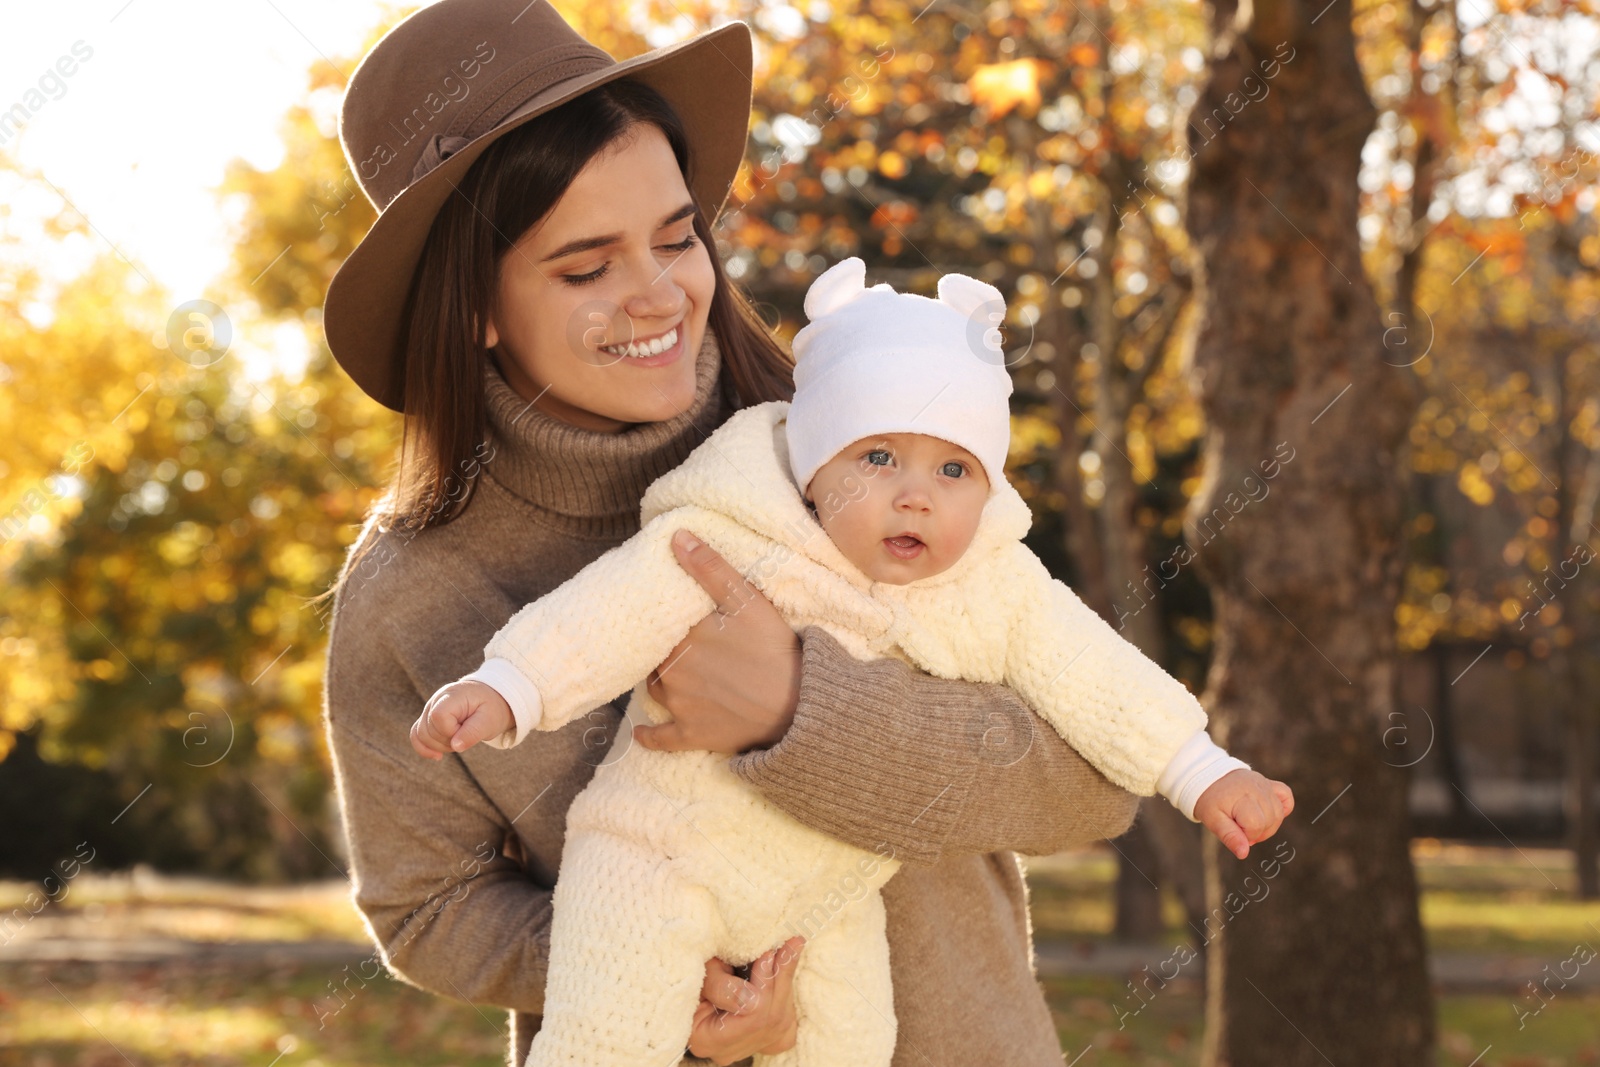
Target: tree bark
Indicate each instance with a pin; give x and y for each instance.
(1461, 821)
(1576, 466)
(1316, 948)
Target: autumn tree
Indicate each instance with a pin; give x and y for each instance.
(1330, 965)
(168, 517)
(1479, 203)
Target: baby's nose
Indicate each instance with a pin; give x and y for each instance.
(914, 500)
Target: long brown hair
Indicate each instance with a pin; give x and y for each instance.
(507, 191)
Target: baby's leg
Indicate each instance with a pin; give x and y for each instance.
(842, 993)
(629, 941)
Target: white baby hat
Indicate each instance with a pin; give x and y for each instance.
(874, 361)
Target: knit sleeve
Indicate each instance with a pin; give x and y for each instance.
(1102, 694)
(880, 754)
(449, 911)
(602, 631)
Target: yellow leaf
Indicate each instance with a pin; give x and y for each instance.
(1000, 87)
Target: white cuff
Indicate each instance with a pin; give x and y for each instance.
(503, 677)
(1193, 769)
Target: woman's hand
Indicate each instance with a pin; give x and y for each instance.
(732, 683)
(738, 1018)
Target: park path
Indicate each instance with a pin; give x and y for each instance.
(142, 918)
(1453, 972)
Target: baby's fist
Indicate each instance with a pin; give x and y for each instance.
(458, 716)
(1243, 807)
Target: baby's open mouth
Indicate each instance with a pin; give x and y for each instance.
(904, 546)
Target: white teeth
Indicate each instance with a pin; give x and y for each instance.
(642, 349)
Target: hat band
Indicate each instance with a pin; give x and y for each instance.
(510, 91)
(438, 149)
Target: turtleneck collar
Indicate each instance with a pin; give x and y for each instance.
(587, 483)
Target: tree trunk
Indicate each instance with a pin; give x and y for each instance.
(1138, 893)
(1461, 821)
(1316, 948)
(1109, 547)
(1578, 474)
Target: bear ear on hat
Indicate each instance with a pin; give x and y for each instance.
(984, 309)
(835, 287)
(972, 297)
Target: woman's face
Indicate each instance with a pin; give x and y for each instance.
(602, 306)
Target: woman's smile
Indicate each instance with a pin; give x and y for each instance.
(656, 351)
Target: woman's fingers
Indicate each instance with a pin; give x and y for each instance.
(724, 990)
(716, 575)
(736, 1018)
(776, 968)
(733, 682)
(727, 1036)
(779, 971)
(706, 566)
(663, 737)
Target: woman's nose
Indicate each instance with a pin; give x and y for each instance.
(658, 297)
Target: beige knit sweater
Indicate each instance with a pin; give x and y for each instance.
(453, 861)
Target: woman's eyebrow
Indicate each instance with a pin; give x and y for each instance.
(589, 244)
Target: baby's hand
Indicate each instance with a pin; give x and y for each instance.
(1243, 807)
(458, 716)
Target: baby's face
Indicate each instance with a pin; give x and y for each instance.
(902, 506)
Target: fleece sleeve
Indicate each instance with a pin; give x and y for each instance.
(1104, 696)
(1197, 765)
(602, 631)
(923, 769)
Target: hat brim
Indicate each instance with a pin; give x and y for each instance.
(706, 79)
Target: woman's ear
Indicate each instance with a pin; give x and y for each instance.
(491, 336)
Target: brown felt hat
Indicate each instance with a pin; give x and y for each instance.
(446, 82)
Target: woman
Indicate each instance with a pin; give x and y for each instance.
(541, 298)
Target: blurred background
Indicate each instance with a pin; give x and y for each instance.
(184, 467)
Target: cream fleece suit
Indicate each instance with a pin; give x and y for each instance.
(672, 859)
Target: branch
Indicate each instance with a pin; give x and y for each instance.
(1162, 331)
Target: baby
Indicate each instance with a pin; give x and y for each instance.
(875, 505)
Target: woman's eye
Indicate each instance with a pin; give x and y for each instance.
(584, 279)
(960, 469)
(683, 245)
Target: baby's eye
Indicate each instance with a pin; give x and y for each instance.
(884, 452)
(960, 469)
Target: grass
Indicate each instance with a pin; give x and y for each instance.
(1489, 900)
(139, 904)
(1474, 900)
(85, 1016)
(88, 1016)
(1168, 1029)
